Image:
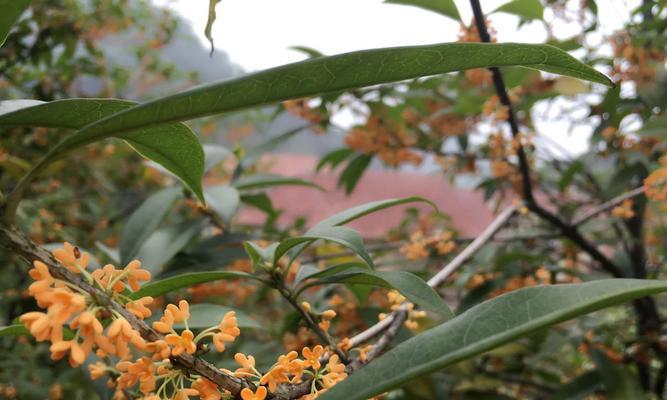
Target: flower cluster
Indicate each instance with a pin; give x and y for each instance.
(390, 141)
(397, 300)
(624, 210)
(77, 323)
(655, 185)
(289, 368)
(421, 247)
(67, 304)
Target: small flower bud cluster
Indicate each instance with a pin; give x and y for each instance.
(397, 300)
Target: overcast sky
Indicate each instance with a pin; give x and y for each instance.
(257, 34)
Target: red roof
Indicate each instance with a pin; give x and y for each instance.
(468, 212)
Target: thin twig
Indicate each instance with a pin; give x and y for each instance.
(607, 205)
(444, 273)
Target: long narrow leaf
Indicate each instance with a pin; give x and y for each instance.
(487, 326)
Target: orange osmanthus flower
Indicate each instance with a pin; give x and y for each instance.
(260, 394)
(182, 342)
(229, 331)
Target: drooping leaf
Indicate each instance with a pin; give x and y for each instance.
(361, 210)
(144, 221)
(261, 181)
(655, 127)
(163, 244)
(333, 270)
(260, 255)
(526, 9)
(487, 326)
(207, 315)
(222, 199)
(209, 22)
(578, 388)
(353, 171)
(443, 7)
(334, 158)
(14, 330)
(173, 146)
(338, 234)
(253, 154)
(408, 284)
(309, 51)
(260, 201)
(214, 154)
(11, 11)
(168, 285)
(620, 383)
(332, 74)
(21, 330)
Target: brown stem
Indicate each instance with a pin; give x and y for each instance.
(21, 245)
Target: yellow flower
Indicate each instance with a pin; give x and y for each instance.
(312, 357)
(184, 394)
(42, 327)
(159, 348)
(207, 390)
(181, 343)
(120, 334)
(72, 258)
(138, 307)
(276, 375)
(247, 364)
(136, 274)
(260, 394)
(336, 372)
(43, 279)
(166, 323)
(97, 370)
(77, 355)
(180, 313)
(229, 331)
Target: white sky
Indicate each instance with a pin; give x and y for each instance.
(257, 34)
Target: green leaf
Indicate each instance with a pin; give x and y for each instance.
(174, 146)
(526, 9)
(207, 315)
(487, 326)
(260, 254)
(578, 388)
(209, 22)
(22, 330)
(166, 242)
(260, 181)
(408, 284)
(144, 221)
(359, 211)
(333, 270)
(223, 199)
(655, 127)
(353, 172)
(168, 285)
(309, 51)
(253, 154)
(11, 11)
(332, 74)
(444, 7)
(213, 155)
(338, 234)
(334, 158)
(260, 201)
(14, 330)
(620, 383)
